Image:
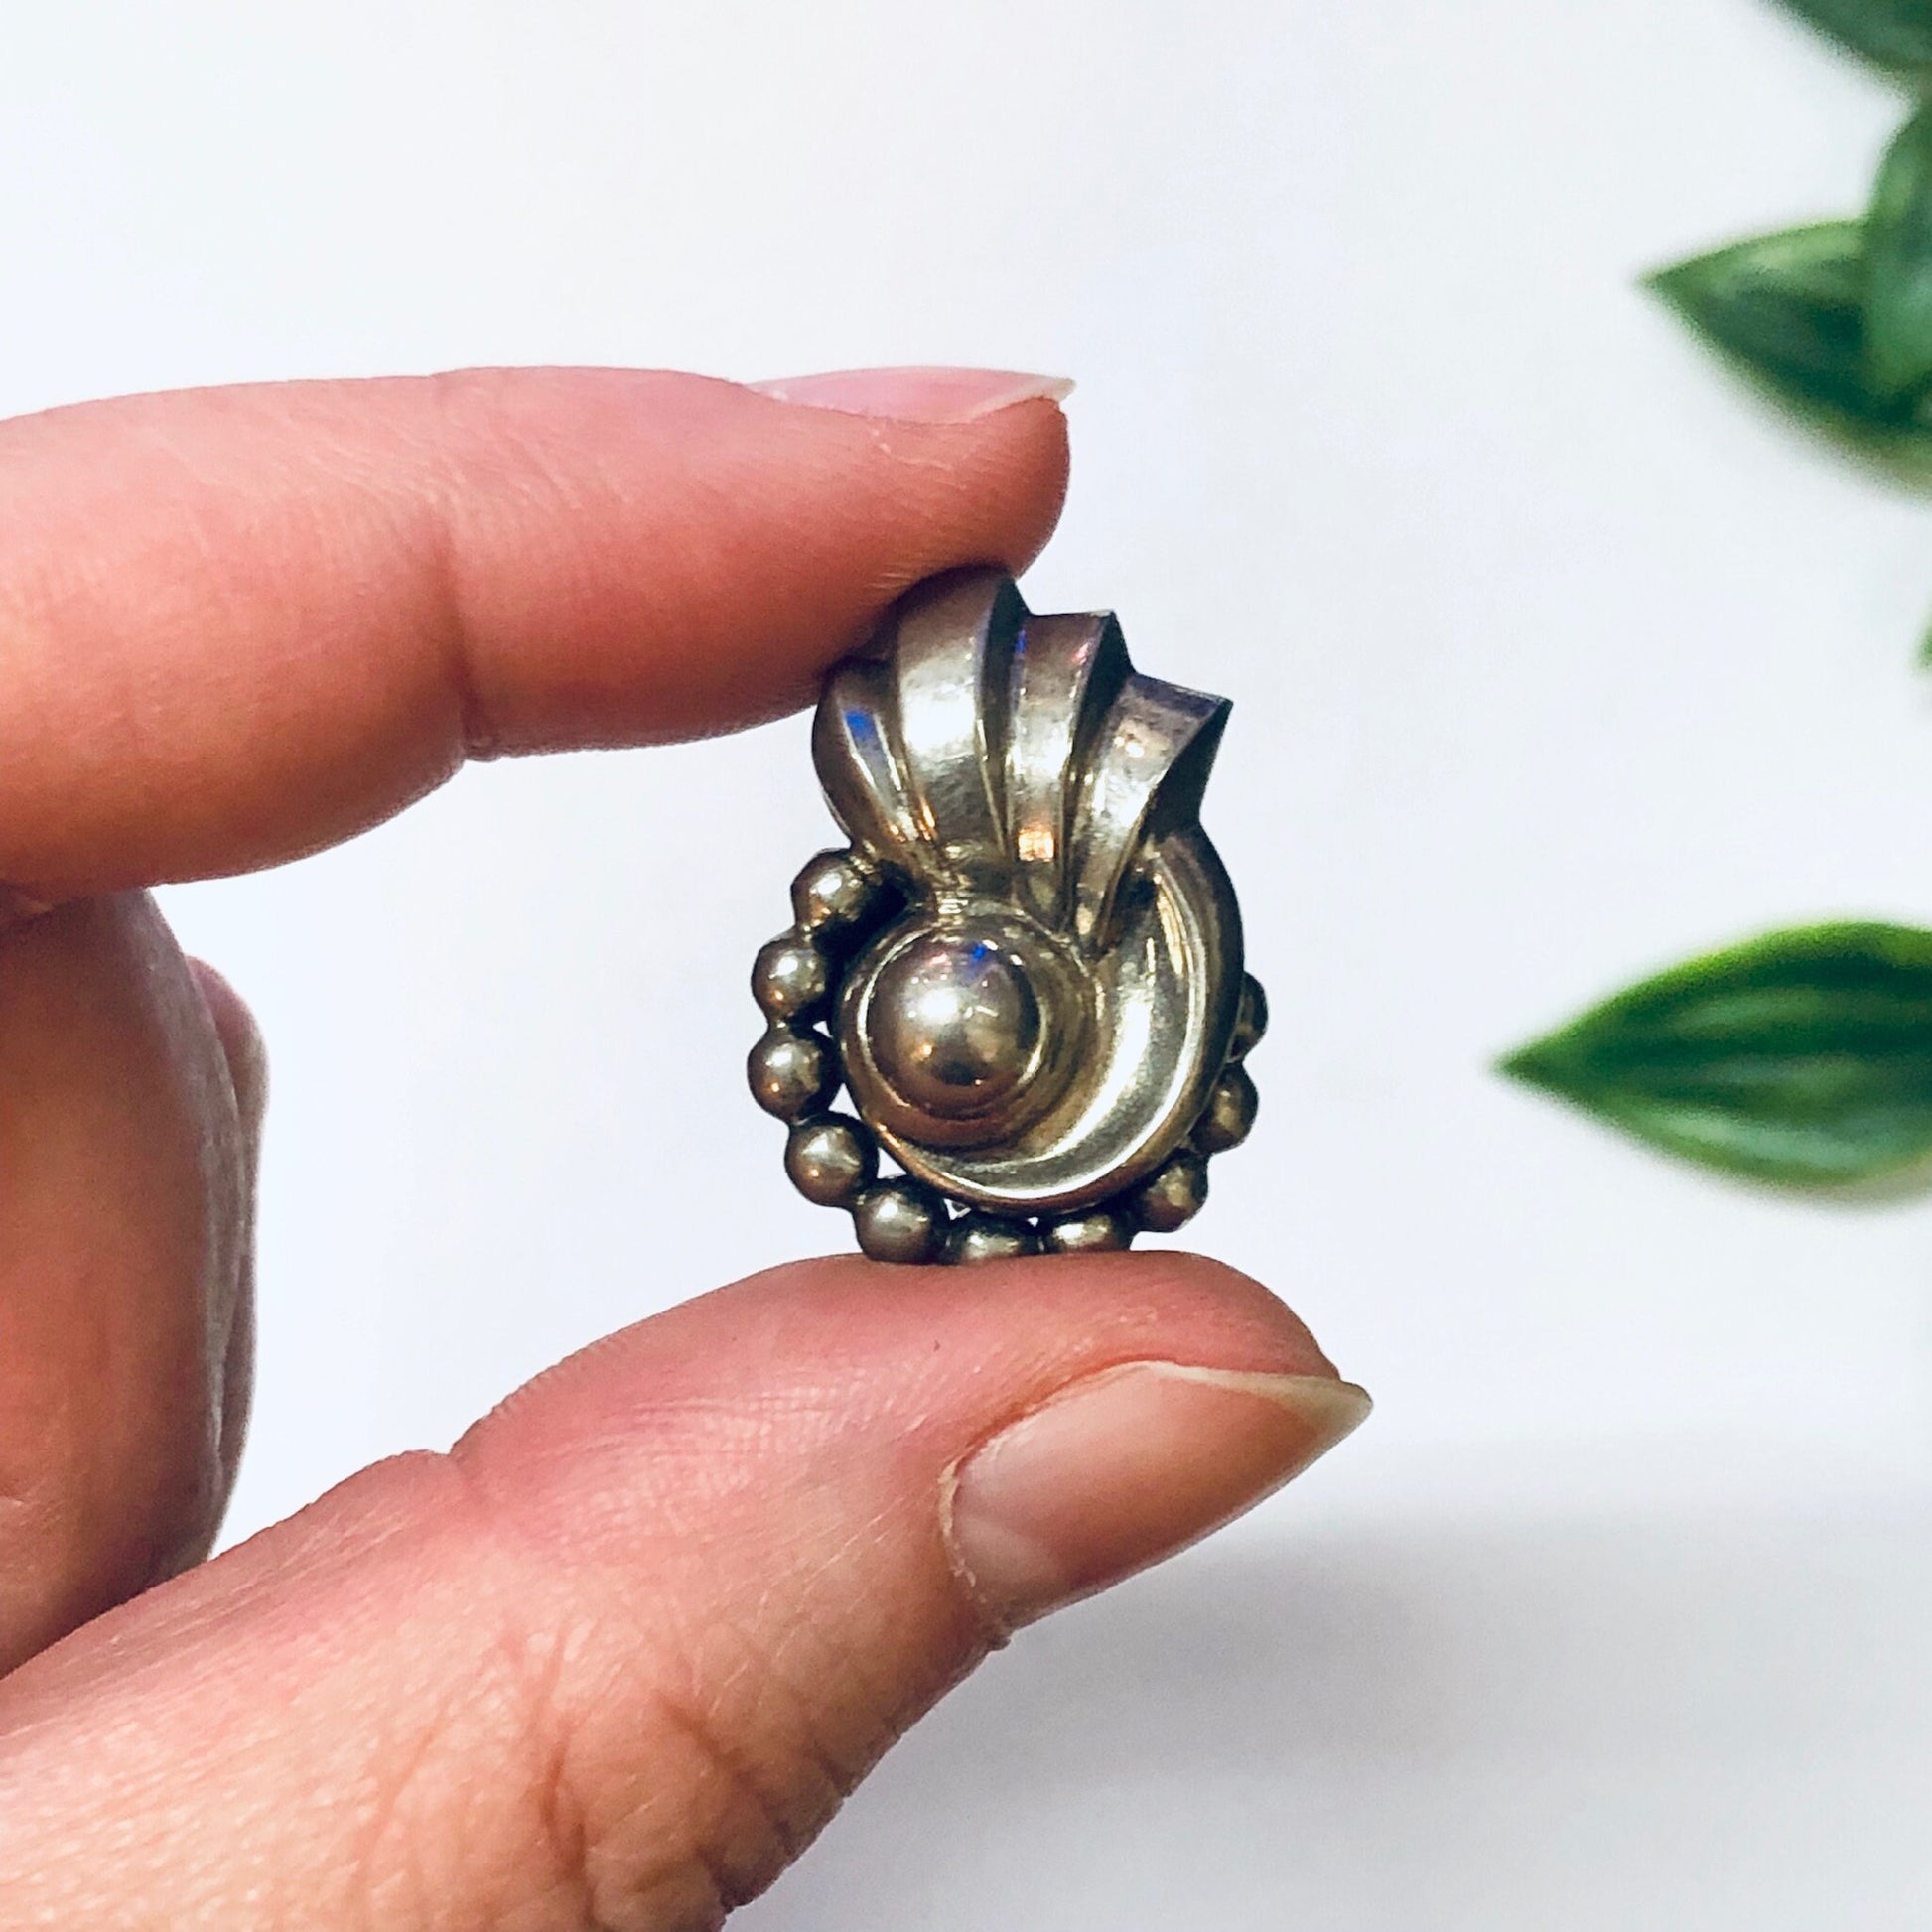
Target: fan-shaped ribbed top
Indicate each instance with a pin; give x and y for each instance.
(995, 754)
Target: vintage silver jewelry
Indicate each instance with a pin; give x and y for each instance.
(1025, 966)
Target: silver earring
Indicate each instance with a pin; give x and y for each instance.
(1025, 966)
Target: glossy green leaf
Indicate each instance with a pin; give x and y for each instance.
(1803, 1058)
(1895, 34)
(1790, 309)
(1898, 265)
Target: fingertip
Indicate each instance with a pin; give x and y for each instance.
(1041, 440)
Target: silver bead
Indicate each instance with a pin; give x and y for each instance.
(1172, 1195)
(1098, 1230)
(955, 1024)
(830, 1158)
(792, 1074)
(899, 1220)
(1229, 1114)
(790, 978)
(834, 892)
(1251, 1020)
(988, 1237)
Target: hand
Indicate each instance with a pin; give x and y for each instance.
(614, 1659)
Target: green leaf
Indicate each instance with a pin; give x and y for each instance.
(1898, 258)
(1790, 309)
(1802, 1057)
(1895, 34)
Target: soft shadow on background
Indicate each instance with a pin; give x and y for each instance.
(1593, 1724)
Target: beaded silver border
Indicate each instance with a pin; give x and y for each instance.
(839, 900)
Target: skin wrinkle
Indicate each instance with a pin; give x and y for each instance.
(545, 1737)
(535, 1694)
(734, 1880)
(765, 1670)
(478, 738)
(473, 735)
(849, 1661)
(692, 1697)
(694, 1714)
(368, 1856)
(559, 1806)
(419, 533)
(522, 1714)
(563, 1825)
(840, 1775)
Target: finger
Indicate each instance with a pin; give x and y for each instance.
(238, 625)
(123, 1223)
(614, 1660)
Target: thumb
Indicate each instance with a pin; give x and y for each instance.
(617, 1657)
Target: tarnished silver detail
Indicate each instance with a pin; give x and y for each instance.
(1029, 956)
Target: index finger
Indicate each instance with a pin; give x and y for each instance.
(239, 624)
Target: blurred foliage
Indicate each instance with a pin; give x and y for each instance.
(1895, 34)
(1803, 1058)
(1790, 309)
(1835, 320)
(1898, 267)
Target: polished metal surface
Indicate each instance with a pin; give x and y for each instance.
(1025, 967)
(900, 1221)
(831, 1160)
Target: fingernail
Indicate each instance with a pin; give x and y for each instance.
(1125, 1467)
(915, 395)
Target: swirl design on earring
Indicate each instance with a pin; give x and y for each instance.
(1025, 967)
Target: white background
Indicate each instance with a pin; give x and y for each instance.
(1554, 659)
